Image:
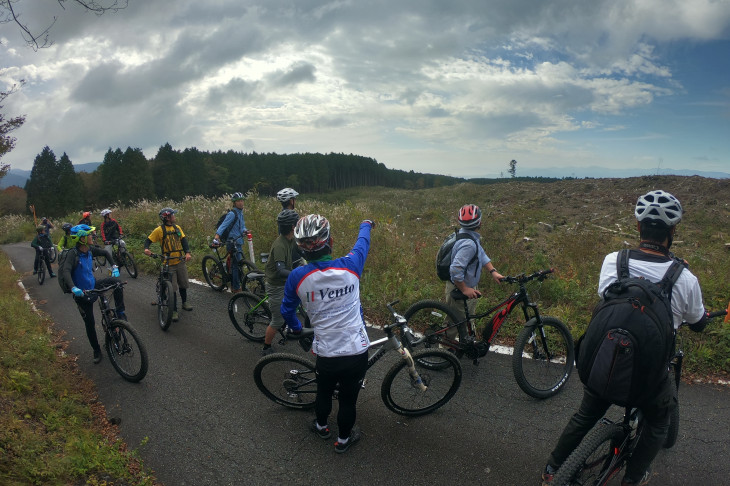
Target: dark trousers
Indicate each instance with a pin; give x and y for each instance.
(592, 409)
(349, 372)
(86, 309)
(37, 263)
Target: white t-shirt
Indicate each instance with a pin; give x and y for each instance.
(686, 294)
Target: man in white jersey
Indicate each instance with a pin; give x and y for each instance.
(657, 214)
(329, 290)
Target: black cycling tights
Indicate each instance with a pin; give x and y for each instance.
(349, 372)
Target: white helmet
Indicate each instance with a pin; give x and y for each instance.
(312, 233)
(285, 194)
(658, 207)
(105, 212)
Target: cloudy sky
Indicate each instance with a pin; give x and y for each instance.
(457, 87)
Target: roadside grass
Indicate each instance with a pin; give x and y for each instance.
(52, 429)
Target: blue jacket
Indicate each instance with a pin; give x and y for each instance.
(234, 219)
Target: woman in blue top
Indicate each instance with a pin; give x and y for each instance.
(329, 290)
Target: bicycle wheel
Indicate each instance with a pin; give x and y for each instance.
(254, 285)
(165, 304)
(250, 315)
(543, 357)
(403, 395)
(214, 272)
(287, 379)
(126, 352)
(52, 254)
(673, 432)
(100, 260)
(41, 272)
(595, 460)
(127, 260)
(428, 317)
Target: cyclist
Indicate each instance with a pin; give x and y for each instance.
(287, 197)
(78, 268)
(235, 226)
(110, 232)
(657, 214)
(278, 267)
(48, 225)
(329, 290)
(468, 260)
(40, 242)
(65, 242)
(173, 242)
(85, 218)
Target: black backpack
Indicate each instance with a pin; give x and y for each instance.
(444, 256)
(624, 354)
(74, 253)
(224, 235)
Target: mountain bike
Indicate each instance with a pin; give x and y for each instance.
(407, 389)
(543, 353)
(41, 274)
(124, 257)
(603, 453)
(52, 254)
(166, 296)
(217, 271)
(250, 314)
(124, 347)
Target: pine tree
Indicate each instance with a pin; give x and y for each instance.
(42, 186)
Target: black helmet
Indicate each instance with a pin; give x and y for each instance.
(287, 217)
(166, 213)
(67, 227)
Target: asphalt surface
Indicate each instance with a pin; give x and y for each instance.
(198, 419)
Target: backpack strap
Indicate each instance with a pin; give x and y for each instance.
(622, 264)
(672, 275)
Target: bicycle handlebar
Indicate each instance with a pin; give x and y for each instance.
(105, 289)
(522, 278)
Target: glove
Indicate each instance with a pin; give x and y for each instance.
(115, 271)
(370, 222)
(77, 292)
(216, 242)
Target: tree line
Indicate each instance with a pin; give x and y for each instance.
(124, 177)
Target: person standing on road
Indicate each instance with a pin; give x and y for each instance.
(78, 269)
(235, 227)
(110, 232)
(657, 214)
(47, 225)
(468, 260)
(329, 290)
(42, 242)
(173, 243)
(278, 267)
(287, 198)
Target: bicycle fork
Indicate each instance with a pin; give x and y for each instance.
(415, 377)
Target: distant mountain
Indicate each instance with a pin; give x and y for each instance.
(18, 177)
(604, 173)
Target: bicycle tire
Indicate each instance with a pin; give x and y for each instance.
(539, 372)
(52, 254)
(403, 396)
(165, 304)
(129, 263)
(592, 461)
(287, 379)
(126, 352)
(249, 315)
(41, 271)
(673, 432)
(214, 273)
(254, 285)
(100, 260)
(428, 317)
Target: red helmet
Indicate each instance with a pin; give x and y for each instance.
(470, 216)
(87, 214)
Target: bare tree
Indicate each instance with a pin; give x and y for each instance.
(7, 142)
(39, 39)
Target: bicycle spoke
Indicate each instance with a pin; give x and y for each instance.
(287, 380)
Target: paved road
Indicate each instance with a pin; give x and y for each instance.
(198, 419)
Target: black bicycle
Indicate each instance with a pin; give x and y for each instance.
(41, 270)
(166, 297)
(217, 271)
(603, 453)
(124, 347)
(407, 389)
(124, 257)
(251, 314)
(543, 353)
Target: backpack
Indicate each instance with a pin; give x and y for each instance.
(45, 241)
(224, 235)
(66, 286)
(444, 256)
(624, 354)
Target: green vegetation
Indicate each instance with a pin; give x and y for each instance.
(52, 430)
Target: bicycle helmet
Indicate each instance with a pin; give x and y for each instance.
(285, 194)
(287, 217)
(40, 228)
(470, 216)
(312, 233)
(166, 213)
(658, 208)
(66, 227)
(237, 196)
(86, 214)
(79, 231)
(105, 212)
